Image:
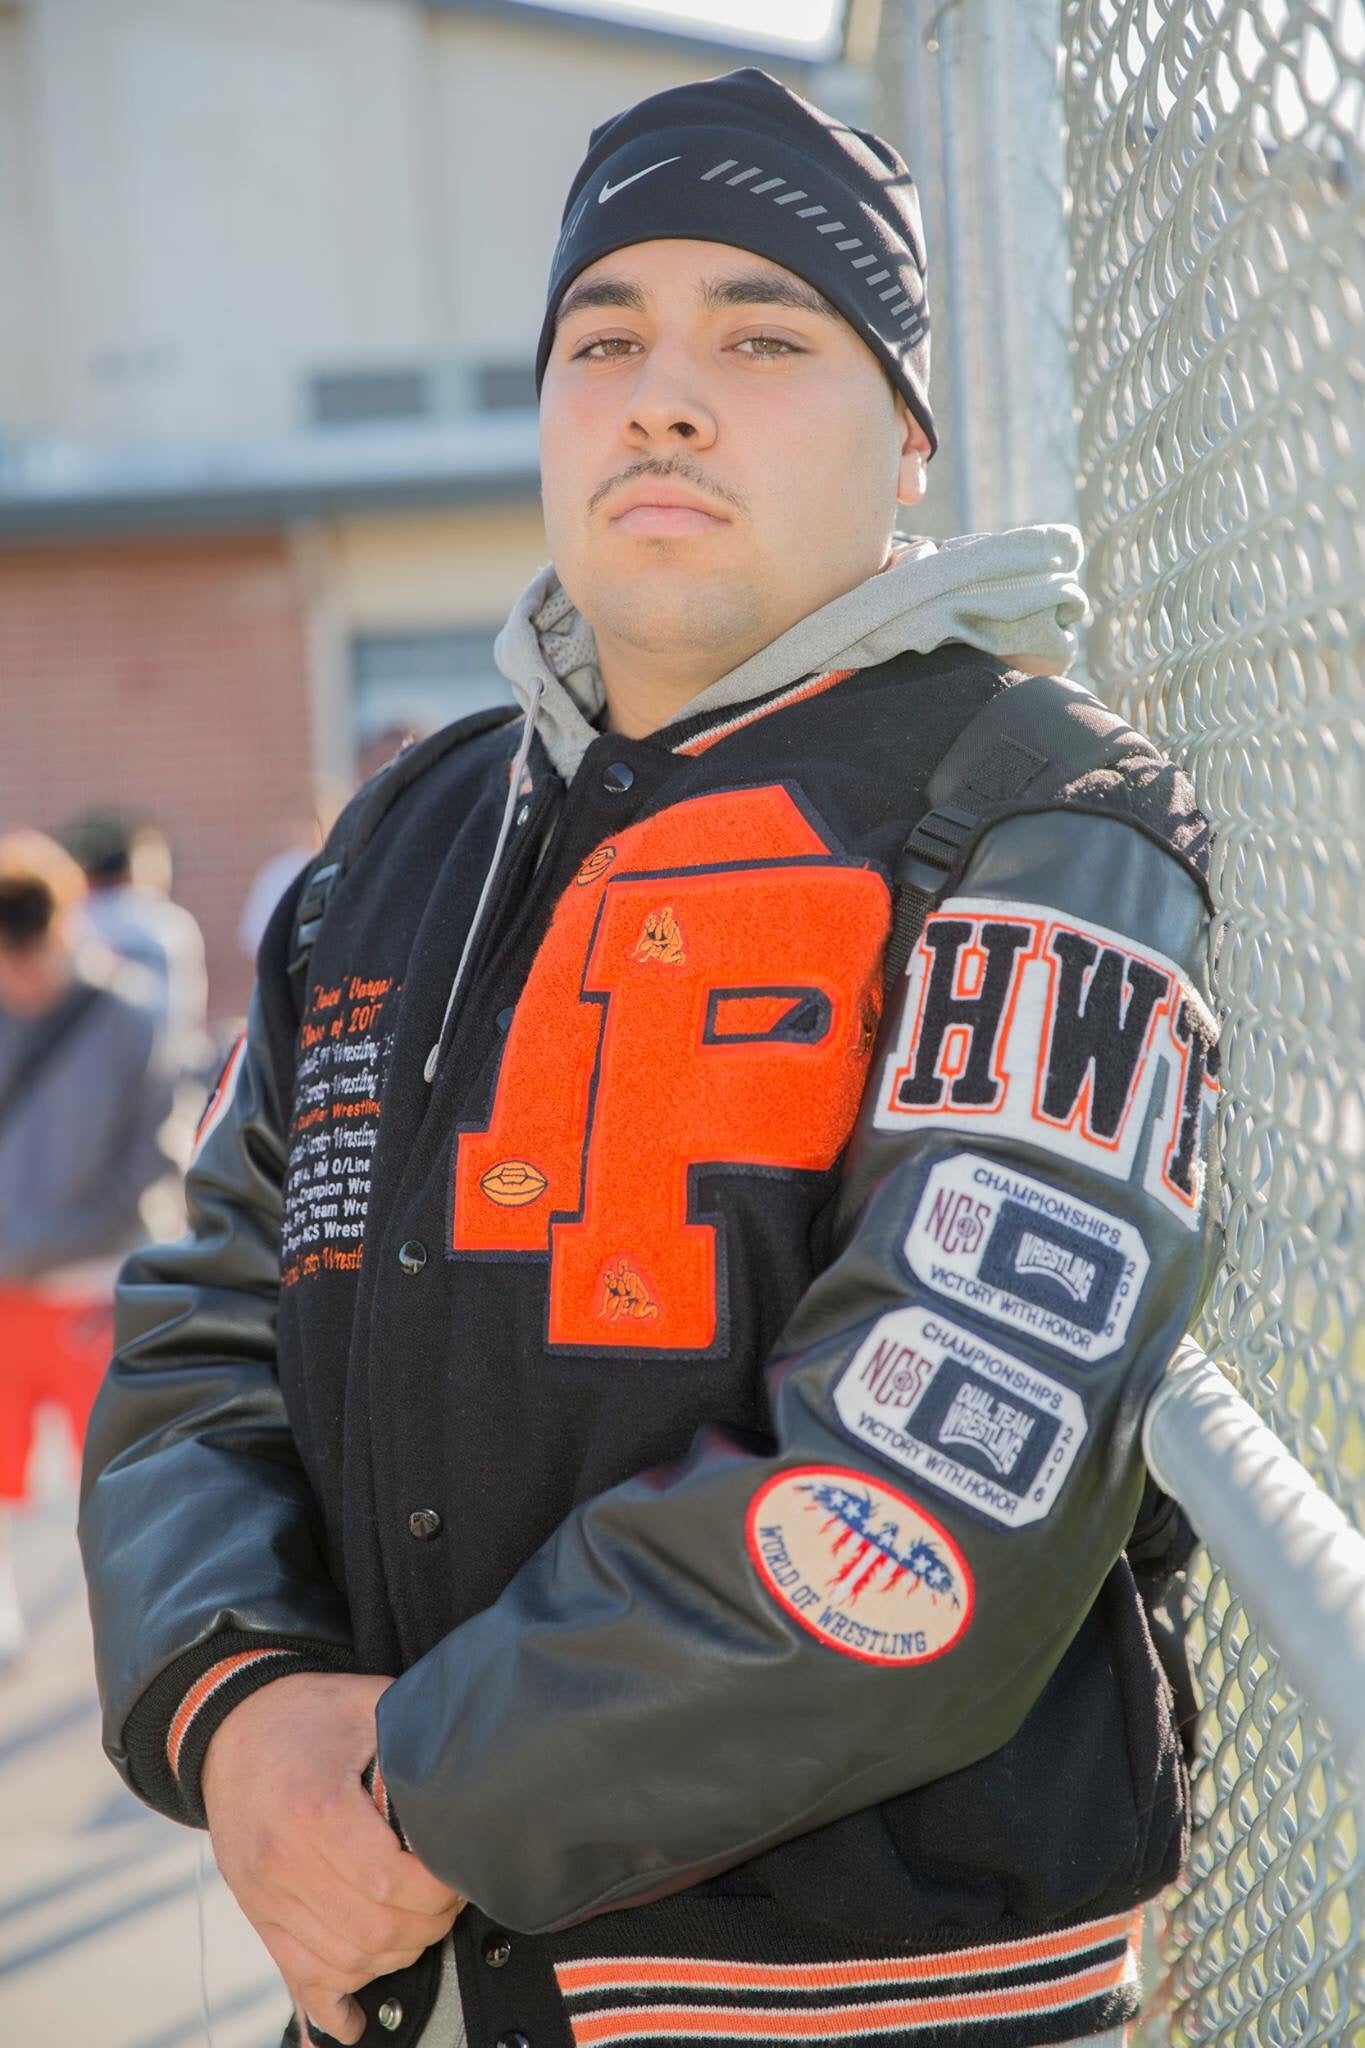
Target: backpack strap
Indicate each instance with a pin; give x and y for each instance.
(362, 817)
(1032, 739)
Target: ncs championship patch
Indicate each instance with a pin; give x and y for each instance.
(973, 1422)
(860, 1565)
(1028, 1254)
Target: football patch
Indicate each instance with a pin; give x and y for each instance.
(974, 1423)
(1027, 1254)
(1023, 1024)
(512, 1183)
(860, 1565)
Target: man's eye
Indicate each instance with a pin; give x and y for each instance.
(770, 345)
(608, 349)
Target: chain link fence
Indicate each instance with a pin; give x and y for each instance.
(1217, 234)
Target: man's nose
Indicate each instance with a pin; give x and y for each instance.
(666, 404)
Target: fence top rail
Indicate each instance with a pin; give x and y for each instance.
(1297, 1562)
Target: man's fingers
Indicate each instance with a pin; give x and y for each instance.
(360, 1916)
(348, 1961)
(340, 2017)
(343, 2018)
(366, 1855)
(349, 1922)
(302, 1968)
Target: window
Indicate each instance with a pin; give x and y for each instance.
(417, 682)
(385, 393)
(340, 398)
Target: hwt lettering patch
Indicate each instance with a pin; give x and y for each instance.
(1028, 1254)
(1044, 1029)
(975, 1423)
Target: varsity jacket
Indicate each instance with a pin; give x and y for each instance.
(715, 1400)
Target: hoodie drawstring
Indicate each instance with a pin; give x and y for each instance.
(528, 731)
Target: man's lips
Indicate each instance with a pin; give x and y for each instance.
(667, 519)
(660, 510)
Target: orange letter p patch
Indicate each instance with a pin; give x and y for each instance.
(681, 1013)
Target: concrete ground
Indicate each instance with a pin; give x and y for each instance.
(102, 1922)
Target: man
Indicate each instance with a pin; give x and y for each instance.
(82, 1099)
(130, 909)
(690, 1434)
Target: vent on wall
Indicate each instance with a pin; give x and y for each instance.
(498, 387)
(338, 398)
(384, 394)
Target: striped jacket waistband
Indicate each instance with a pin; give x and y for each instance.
(1059, 1987)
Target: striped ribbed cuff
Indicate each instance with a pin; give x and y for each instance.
(169, 1730)
(372, 1778)
(206, 1702)
(1060, 1986)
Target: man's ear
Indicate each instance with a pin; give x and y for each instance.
(913, 476)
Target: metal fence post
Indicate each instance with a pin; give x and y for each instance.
(979, 115)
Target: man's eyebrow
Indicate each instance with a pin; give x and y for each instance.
(750, 288)
(598, 292)
(761, 288)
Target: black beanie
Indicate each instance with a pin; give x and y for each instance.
(742, 160)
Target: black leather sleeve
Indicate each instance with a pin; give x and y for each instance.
(199, 1531)
(728, 1652)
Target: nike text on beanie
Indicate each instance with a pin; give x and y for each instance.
(742, 160)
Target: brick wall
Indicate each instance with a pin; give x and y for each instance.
(166, 679)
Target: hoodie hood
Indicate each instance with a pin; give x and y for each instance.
(1016, 595)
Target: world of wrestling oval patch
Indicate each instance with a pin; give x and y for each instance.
(860, 1565)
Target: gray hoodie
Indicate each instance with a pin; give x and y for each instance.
(1015, 594)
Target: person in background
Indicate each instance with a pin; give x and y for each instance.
(377, 748)
(128, 906)
(303, 834)
(83, 1094)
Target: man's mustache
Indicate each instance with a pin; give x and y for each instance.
(686, 473)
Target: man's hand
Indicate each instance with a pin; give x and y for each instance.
(318, 1872)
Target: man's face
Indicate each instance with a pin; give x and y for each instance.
(33, 978)
(720, 453)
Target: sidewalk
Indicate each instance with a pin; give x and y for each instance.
(99, 1920)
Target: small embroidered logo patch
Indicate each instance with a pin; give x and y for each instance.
(860, 1565)
(978, 1424)
(624, 1294)
(661, 939)
(596, 864)
(1029, 1253)
(512, 1183)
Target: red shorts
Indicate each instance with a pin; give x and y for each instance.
(52, 1353)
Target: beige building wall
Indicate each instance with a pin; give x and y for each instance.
(21, 239)
(232, 195)
(416, 571)
(236, 193)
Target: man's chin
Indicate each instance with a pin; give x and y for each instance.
(669, 602)
(702, 551)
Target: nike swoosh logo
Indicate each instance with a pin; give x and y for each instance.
(610, 191)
